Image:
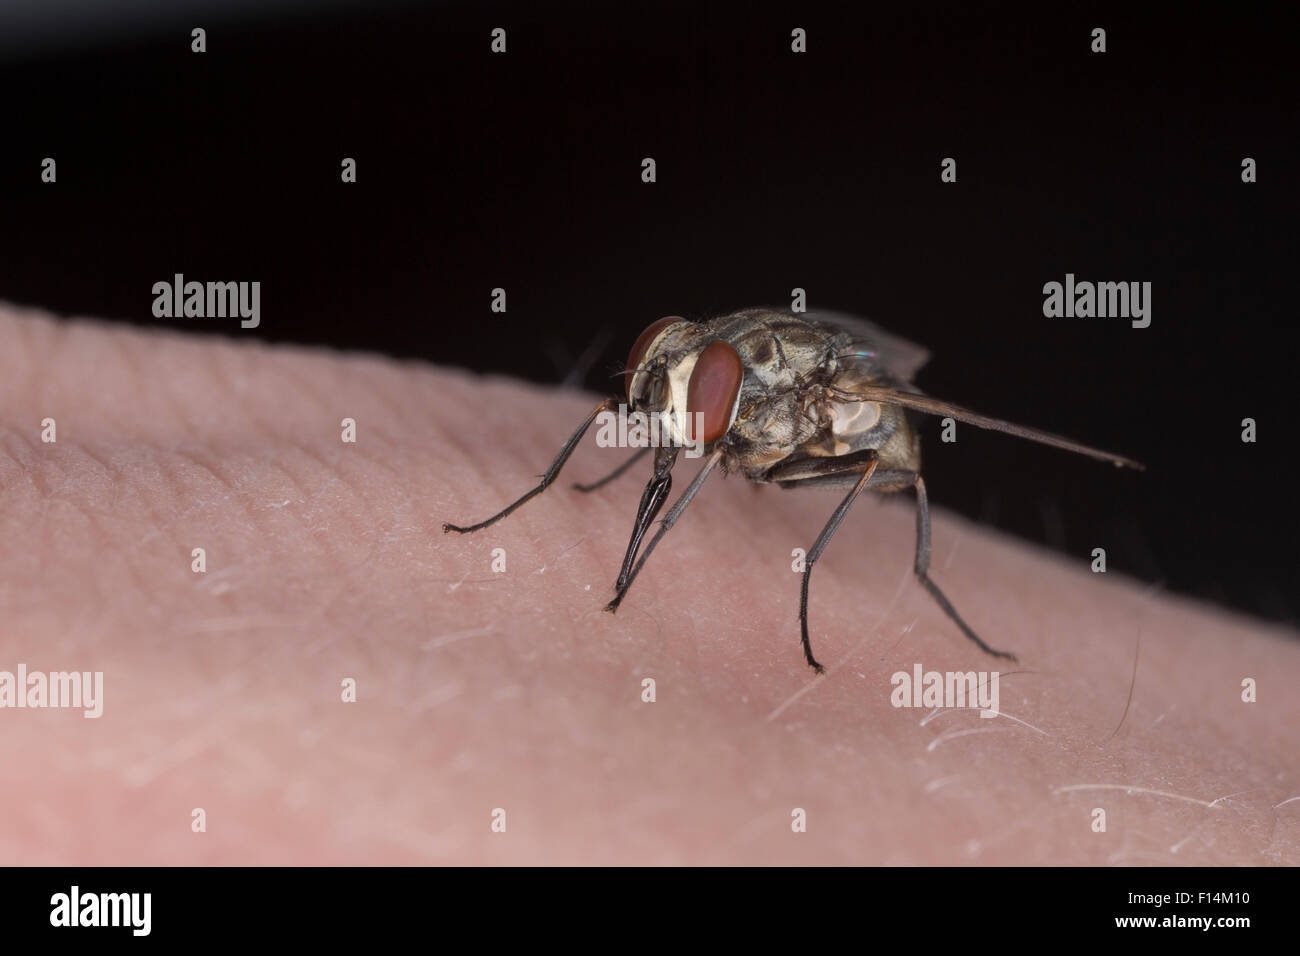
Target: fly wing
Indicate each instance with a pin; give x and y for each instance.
(891, 354)
(877, 366)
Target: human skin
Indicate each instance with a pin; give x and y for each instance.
(479, 690)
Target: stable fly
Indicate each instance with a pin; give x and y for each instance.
(794, 400)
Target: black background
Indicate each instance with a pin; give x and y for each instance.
(775, 170)
(232, 906)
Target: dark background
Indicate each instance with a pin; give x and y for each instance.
(775, 170)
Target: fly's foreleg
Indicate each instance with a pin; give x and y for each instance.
(607, 405)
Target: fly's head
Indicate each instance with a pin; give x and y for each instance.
(684, 374)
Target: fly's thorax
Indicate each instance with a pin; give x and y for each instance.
(770, 428)
(780, 351)
(782, 355)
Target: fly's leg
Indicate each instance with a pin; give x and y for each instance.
(923, 570)
(669, 520)
(819, 546)
(616, 473)
(837, 471)
(607, 405)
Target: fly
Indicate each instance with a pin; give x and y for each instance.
(793, 400)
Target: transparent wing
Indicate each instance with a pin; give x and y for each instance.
(879, 351)
(893, 354)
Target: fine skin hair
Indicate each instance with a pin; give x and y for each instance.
(479, 690)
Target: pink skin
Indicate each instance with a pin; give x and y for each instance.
(480, 690)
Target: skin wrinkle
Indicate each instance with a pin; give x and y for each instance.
(714, 621)
(123, 350)
(28, 334)
(116, 597)
(514, 470)
(31, 470)
(347, 473)
(260, 422)
(101, 462)
(255, 515)
(462, 455)
(304, 384)
(170, 471)
(362, 375)
(284, 469)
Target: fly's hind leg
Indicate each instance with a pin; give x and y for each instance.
(922, 569)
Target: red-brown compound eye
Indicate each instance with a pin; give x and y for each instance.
(715, 382)
(637, 355)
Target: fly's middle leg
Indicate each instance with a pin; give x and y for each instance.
(819, 546)
(616, 473)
